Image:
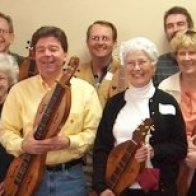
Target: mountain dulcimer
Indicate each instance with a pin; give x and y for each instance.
(122, 168)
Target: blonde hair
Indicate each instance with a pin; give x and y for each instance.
(9, 66)
(183, 40)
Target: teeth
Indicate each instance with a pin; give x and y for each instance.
(138, 75)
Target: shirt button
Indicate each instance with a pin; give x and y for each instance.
(71, 121)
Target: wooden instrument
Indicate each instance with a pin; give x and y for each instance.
(122, 168)
(26, 171)
(28, 67)
(185, 176)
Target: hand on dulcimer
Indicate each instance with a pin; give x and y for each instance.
(124, 161)
(26, 171)
(32, 146)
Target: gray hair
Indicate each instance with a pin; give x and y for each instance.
(9, 66)
(139, 43)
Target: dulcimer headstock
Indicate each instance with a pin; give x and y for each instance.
(28, 68)
(69, 70)
(30, 49)
(142, 130)
(72, 64)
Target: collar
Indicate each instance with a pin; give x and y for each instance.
(137, 94)
(44, 84)
(104, 71)
(175, 81)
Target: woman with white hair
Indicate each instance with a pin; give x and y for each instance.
(164, 146)
(8, 77)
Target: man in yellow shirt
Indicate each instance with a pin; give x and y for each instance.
(63, 174)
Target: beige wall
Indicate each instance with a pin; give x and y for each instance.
(131, 17)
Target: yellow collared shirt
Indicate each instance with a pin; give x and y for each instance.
(20, 109)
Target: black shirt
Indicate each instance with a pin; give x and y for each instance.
(5, 159)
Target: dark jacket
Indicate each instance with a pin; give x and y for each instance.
(5, 159)
(19, 59)
(168, 140)
(165, 67)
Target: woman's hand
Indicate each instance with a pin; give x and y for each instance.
(191, 159)
(107, 192)
(191, 143)
(2, 188)
(144, 152)
(141, 154)
(191, 155)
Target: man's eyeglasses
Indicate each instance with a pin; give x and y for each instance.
(3, 31)
(100, 38)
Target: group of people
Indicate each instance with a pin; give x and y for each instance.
(110, 99)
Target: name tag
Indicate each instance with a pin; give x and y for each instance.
(167, 109)
(109, 76)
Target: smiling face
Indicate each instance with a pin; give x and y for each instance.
(6, 37)
(100, 42)
(139, 68)
(186, 58)
(50, 57)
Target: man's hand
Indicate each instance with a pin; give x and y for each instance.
(33, 146)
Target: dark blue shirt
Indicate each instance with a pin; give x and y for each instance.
(166, 66)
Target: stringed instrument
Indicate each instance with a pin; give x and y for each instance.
(28, 67)
(26, 171)
(122, 168)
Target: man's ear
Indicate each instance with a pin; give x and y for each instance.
(115, 45)
(87, 42)
(66, 57)
(11, 38)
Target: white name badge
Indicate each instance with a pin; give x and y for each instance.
(167, 109)
(109, 76)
